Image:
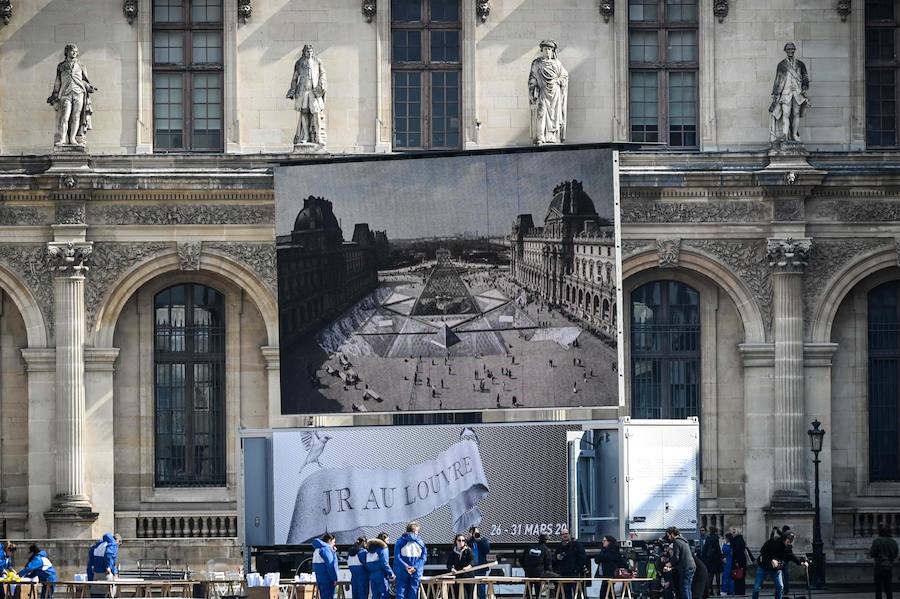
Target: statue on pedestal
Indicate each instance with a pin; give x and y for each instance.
(789, 99)
(71, 98)
(548, 92)
(308, 86)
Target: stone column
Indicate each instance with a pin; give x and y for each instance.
(788, 258)
(99, 369)
(71, 512)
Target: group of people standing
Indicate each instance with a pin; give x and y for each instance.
(38, 566)
(725, 560)
(372, 575)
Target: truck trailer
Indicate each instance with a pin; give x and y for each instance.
(627, 478)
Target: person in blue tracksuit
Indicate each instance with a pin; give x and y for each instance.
(379, 566)
(359, 576)
(7, 553)
(39, 566)
(103, 557)
(409, 561)
(325, 565)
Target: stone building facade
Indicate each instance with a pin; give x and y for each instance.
(757, 291)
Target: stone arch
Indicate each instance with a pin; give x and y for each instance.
(27, 304)
(694, 261)
(211, 262)
(842, 283)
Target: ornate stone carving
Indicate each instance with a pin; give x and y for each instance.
(181, 214)
(631, 246)
(70, 213)
(368, 10)
(859, 211)
(607, 9)
(32, 264)
(843, 8)
(259, 257)
(189, 254)
(548, 92)
(130, 10)
(720, 9)
(21, 215)
(789, 101)
(789, 209)
(69, 257)
(245, 10)
(748, 260)
(668, 250)
(5, 11)
(71, 99)
(827, 258)
(695, 212)
(110, 260)
(790, 177)
(308, 87)
(482, 9)
(788, 253)
(68, 182)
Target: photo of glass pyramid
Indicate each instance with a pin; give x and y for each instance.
(444, 292)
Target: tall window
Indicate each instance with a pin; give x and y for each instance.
(425, 73)
(187, 75)
(665, 351)
(663, 59)
(884, 370)
(189, 389)
(882, 67)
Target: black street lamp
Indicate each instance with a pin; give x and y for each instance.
(817, 565)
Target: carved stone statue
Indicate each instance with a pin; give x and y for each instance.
(789, 99)
(308, 86)
(548, 89)
(71, 98)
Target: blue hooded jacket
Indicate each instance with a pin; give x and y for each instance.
(409, 552)
(102, 555)
(324, 563)
(5, 560)
(39, 566)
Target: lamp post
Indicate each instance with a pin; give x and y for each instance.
(817, 567)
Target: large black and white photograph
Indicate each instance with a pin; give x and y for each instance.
(448, 283)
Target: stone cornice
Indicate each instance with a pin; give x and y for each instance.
(100, 359)
(759, 355)
(39, 359)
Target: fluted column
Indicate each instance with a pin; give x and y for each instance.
(68, 259)
(788, 258)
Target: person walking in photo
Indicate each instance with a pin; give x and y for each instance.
(883, 553)
(683, 563)
(410, 554)
(459, 558)
(359, 576)
(379, 566)
(480, 546)
(711, 556)
(325, 565)
(774, 556)
(40, 567)
(727, 585)
(740, 555)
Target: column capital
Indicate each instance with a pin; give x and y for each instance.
(272, 355)
(788, 254)
(39, 359)
(100, 359)
(757, 355)
(68, 258)
(818, 354)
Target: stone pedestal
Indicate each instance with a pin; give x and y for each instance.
(70, 523)
(68, 158)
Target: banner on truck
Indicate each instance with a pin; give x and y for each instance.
(474, 281)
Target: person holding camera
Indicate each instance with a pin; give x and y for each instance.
(682, 560)
(774, 556)
(480, 546)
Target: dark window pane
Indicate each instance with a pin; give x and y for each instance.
(682, 109)
(406, 46)
(444, 109)
(206, 108)
(445, 46)
(883, 372)
(643, 10)
(206, 47)
(206, 11)
(643, 46)
(682, 46)
(407, 109)
(168, 47)
(644, 106)
(681, 11)
(881, 117)
(444, 10)
(406, 10)
(168, 108)
(168, 11)
(879, 10)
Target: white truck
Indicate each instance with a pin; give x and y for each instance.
(627, 478)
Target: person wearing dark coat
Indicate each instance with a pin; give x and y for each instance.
(740, 554)
(884, 553)
(711, 556)
(460, 557)
(480, 546)
(700, 582)
(570, 561)
(608, 560)
(537, 563)
(774, 556)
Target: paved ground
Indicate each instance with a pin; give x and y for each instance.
(529, 357)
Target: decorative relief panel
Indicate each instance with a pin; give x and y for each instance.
(70, 213)
(789, 209)
(857, 211)
(695, 212)
(32, 264)
(189, 254)
(181, 214)
(668, 250)
(259, 257)
(631, 246)
(21, 216)
(108, 262)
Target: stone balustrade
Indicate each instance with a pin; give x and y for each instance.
(185, 526)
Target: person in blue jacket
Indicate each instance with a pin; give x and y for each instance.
(39, 566)
(409, 561)
(7, 552)
(359, 576)
(379, 566)
(103, 559)
(325, 565)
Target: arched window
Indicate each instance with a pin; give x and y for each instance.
(884, 382)
(665, 351)
(189, 389)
